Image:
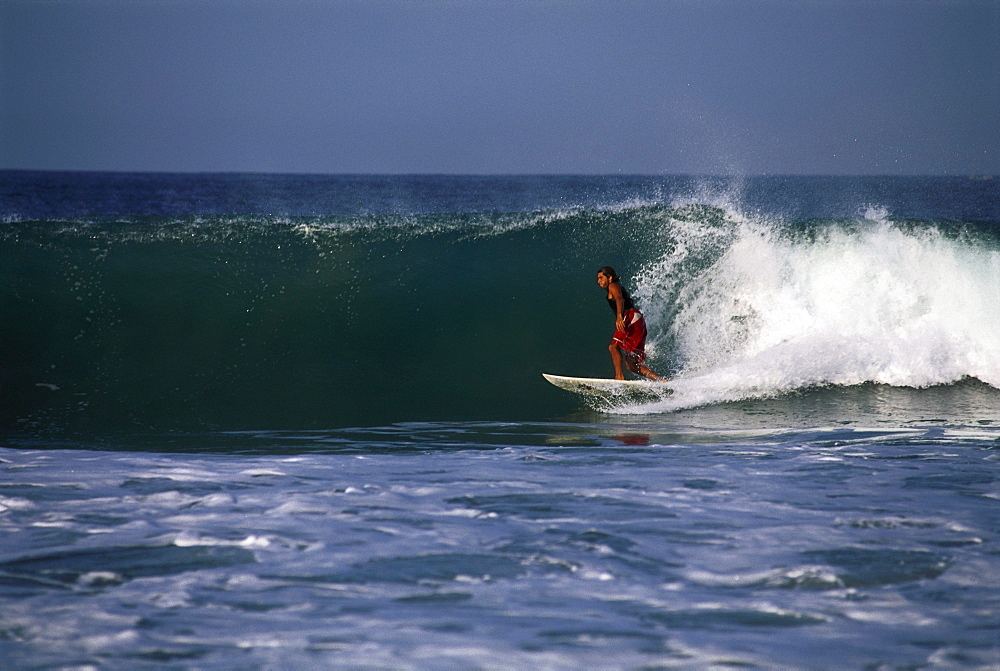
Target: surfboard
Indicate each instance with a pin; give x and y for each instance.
(601, 386)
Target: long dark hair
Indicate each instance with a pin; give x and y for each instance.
(608, 271)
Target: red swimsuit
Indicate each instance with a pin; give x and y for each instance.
(633, 338)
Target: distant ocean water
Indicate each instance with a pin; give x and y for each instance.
(265, 421)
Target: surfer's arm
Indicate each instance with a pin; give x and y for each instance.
(616, 293)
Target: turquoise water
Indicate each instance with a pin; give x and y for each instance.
(269, 421)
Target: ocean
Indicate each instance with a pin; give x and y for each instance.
(295, 421)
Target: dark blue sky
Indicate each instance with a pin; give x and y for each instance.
(490, 86)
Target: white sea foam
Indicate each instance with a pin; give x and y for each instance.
(15, 503)
(186, 539)
(774, 310)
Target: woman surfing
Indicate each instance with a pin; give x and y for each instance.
(628, 343)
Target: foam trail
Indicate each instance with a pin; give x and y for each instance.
(773, 310)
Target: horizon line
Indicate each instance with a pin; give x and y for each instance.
(98, 171)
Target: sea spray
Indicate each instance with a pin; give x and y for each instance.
(775, 307)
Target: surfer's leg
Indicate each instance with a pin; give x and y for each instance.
(631, 363)
(616, 361)
(639, 369)
(651, 375)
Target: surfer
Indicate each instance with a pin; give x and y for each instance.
(629, 341)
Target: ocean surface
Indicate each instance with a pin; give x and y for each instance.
(276, 421)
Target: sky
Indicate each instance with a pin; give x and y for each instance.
(745, 87)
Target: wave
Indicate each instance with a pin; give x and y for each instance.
(313, 321)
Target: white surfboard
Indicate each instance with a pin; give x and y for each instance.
(601, 386)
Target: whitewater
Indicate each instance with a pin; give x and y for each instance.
(267, 421)
(862, 300)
